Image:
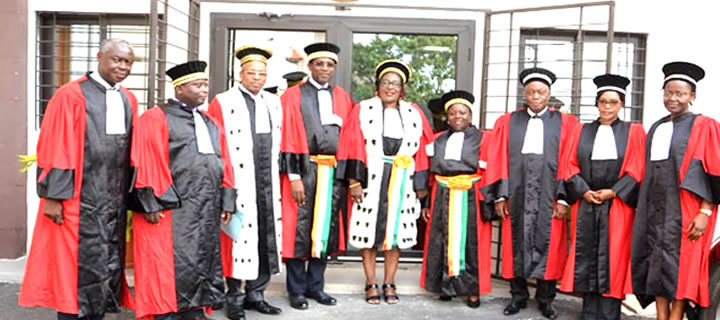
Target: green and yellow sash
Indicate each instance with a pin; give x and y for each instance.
(396, 191)
(322, 213)
(457, 219)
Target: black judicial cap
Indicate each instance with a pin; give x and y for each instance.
(393, 65)
(186, 72)
(252, 53)
(273, 89)
(294, 77)
(610, 81)
(537, 74)
(457, 96)
(322, 49)
(686, 71)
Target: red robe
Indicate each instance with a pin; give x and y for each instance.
(664, 261)
(476, 280)
(177, 261)
(602, 263)
(295, 152)
(52, 273)
(504, 178)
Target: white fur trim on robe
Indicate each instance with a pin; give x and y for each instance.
(363, 224)
(240, 144)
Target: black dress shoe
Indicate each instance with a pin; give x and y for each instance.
(262, 307)
(445, 298)
(322, 298)
(234, 312)
(514, 307)
(473, 304)
(548, 311)
(298, 302)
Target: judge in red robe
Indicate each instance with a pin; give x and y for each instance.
(456, 259)
(313, 202)
(523, 181)
(605, 163)
(77, 258)
(676, 210)
(382, 157)
(183, 189)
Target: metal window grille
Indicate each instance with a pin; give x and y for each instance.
(67, 44)
(174, 39)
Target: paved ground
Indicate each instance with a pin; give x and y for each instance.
(345, 282)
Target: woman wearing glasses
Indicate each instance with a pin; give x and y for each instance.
(382, 157)
(605, 163)
(676, 209)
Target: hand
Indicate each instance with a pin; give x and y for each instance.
(591, 197)
(560, 211)
(297, 189)
(501, 209)
(420, 194)
(356, 193)
(53, 210)
(426, 214)
(225, 217)
(153, 217)
(697, 227)
(604, 194)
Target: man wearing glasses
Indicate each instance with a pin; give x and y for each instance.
(522, 180)
(313, 201)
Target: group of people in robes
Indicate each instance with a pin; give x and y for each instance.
(223, 194)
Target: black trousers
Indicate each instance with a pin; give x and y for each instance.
(68, 316)
(254, 289)
(544, 293)
(190, 314)
(304, 276)
(597, 307)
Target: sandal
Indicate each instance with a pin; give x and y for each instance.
(374, 299)
(390, 298)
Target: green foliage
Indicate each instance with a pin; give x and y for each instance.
(429, 67)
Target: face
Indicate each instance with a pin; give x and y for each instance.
(677, 96)
(390, 88)
(537, 95)
(322, 69)
(115, 63)
(253, 76)
(609, 105)
(458, 117)
(193, 93)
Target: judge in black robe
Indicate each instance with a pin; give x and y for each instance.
(77, 259)
(524, 184)
(456, 259)
(183, 189)
(313, 113)
(605, 163)
(676, 209)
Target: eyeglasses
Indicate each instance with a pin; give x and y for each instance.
(390, 84)
(254, 74)
(531, 92)
(614, 103)
(321, 64)
(679, 94)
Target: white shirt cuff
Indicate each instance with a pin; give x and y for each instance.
(294, 176)
(562, 202)
(501, 199)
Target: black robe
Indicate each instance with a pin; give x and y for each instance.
(190, 189)
(78, 267)
(435, 276)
